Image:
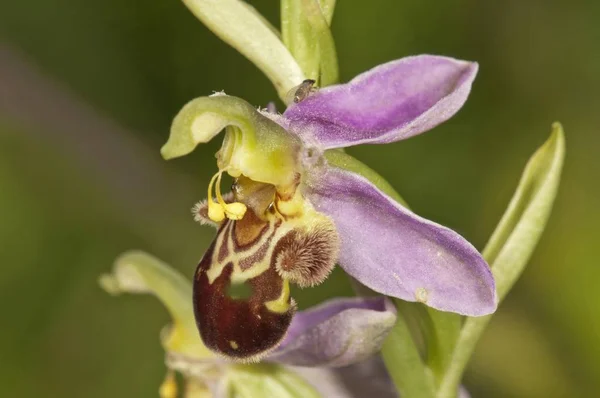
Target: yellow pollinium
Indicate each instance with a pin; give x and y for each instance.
(217, 211)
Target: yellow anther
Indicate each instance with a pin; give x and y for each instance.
(168, 388)
(216, 212)
(233, 211)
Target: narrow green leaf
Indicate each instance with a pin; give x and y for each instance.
(244, 29)
(266, 380)
(513, 242)
(519, 230)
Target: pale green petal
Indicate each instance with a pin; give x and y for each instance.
(254, 145)
(299, 37)
(327, 55)
(327, 8)
(138, 272)
(242, 28)
(305, 31)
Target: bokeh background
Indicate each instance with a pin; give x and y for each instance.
(87, 94)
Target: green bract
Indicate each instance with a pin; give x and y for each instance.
(305, 32)
(513, 242)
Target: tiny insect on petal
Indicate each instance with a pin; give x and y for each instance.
(300, 92)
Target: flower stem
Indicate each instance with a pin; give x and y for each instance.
(467, 340)
(403, 361)
(441, 333)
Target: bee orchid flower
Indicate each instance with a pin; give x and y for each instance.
(299, 204)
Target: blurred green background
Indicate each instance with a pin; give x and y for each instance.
(87, 94)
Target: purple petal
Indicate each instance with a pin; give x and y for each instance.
(388, 103)
(397, 253)
(338, 332)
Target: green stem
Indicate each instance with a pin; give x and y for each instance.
(442, 333)
(403, 361)
(467, 340)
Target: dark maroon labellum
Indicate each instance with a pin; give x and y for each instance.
(242, 328)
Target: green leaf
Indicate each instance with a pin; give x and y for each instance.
(240, 26)
(513, 242)
(305, 31)
(521, 226)
(266, 380)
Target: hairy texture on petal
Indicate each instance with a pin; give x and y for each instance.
(336, 333)
(307, 257)
(397, 253)
(388, 103)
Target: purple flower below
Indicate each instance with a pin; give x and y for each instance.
(337, 333)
